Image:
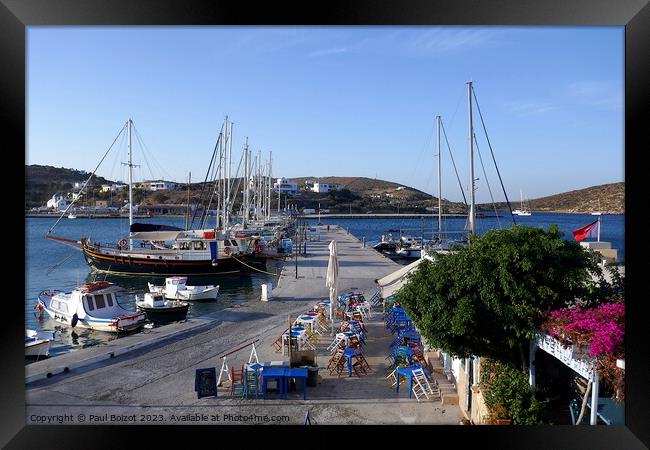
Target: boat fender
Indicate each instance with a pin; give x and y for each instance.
(226, 250)
(214, 262)
(74, 320)
(258, 248)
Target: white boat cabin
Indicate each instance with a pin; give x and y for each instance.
(154, 300)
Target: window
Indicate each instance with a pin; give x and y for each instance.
(99, 301)
(109, 299)
(89, 302)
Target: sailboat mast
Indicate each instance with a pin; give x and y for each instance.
(227, 210)
(470, 134)
(187, 218)
(246, 184)
(130, 186)
(439, 180)
(268, 213)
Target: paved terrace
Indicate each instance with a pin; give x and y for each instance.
(150, 378)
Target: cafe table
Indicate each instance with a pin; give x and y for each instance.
(407, 372)
(274, 373)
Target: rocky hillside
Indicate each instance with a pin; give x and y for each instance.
(41, 182)
(606, 198)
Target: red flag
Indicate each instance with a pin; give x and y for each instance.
(581, 233)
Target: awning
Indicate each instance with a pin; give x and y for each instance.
(391, 289)
(156, 235)
(391, 283)
(391, 278)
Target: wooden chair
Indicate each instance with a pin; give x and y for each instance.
(393, 376)
(278, 343)
(421, 386)
(237, 383)
(359, 369)
(338, 354)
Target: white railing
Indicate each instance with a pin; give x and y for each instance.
(570, 356)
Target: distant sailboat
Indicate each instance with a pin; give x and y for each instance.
(524, 211)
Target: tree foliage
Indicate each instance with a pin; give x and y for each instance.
(489, 298)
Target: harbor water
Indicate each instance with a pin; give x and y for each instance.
(52, 265)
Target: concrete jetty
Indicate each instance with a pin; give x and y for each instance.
(148, 378)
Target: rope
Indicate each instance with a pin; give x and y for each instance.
(255, 268)
(59, 263)
(86, 183)
(494, 206)
(493, 159)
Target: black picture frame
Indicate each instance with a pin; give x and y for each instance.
(15, 15)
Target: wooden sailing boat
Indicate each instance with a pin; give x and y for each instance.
(166, 250)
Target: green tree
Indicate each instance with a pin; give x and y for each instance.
(488, 299)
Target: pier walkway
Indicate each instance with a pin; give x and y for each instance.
(150, 378)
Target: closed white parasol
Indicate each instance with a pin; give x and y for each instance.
(332, 279)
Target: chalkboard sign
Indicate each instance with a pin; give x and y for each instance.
(205, 382)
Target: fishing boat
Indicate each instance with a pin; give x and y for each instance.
(37, 343)
(92, 305)
(176, 288)
(160, 310)
(72, 216)
(150, 249)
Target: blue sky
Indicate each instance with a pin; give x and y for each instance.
(344, 101)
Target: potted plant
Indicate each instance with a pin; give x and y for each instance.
(500, 415)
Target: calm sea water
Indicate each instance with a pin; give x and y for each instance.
(52, 265)
(612, 226)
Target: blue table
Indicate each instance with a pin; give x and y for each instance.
(278, 374)
(298, 374)
(407, 372)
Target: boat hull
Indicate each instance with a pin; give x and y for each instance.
(119, 264)
(38, 349)
(165, 314)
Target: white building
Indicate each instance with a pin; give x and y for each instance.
(57, 202)
(325, 187)
(113, 187)
(158, 185)
(284, 186)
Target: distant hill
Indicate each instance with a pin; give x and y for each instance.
(358, 195)
(41, 182)
(606, 198)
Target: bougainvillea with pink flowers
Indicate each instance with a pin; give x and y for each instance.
(598, 331)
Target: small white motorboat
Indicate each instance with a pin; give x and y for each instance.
(37, 343)
(176, 288)
(93, 305)
(159, 310)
